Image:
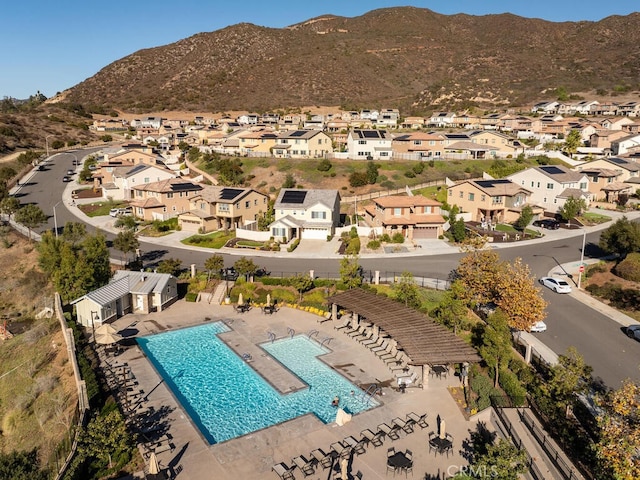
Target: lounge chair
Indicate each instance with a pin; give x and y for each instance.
(359, 331)
(356, 446)
(367, 333)
(406, 427)
(324, 459)
(371, 343)
(420, 420)
(383, 347)
(393, 353)
(391, 349)
(283, 471)
(344, 324)
(391, 432)
(372, 336)
(375, 439)
(307, 467)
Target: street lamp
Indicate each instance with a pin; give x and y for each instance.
(581, 267)
(55, 218)
(46, 140)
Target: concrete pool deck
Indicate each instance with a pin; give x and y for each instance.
(253, 455)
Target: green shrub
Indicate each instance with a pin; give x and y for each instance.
(512, 387)
(275, 281)
(353, 233)
(397, 238)
(373, 245)
(354, 246)
(593, 269)
(191, 297)
(629, 268)
(294, 245)
(418, 168)
(385, 238)
(410, 174)
(324, 165)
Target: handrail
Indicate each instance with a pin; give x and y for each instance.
(326, 340)
(291, 332)
(272, 336)
(371, 390)
(312, 333)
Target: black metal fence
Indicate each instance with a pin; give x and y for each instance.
(368, 277)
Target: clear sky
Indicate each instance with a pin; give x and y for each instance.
(52, 45)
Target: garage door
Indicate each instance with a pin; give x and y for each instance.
(315, 233)
(425, 232)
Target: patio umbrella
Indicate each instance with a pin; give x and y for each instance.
(154, 467)
(268, 299)
(240, 300)
(442, 429)
(105, 328)
(108, 338)
(344, 465)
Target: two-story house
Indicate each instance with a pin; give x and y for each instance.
(309, 214)
(302, 144)
(552, 185)
(490, 201)
(416, 217)
(125, 177)
(625, 145)
(613, 176)
(503, 143)
(256, 143)
(442, 119)
(164, 199)
(369, 144)
(217, 207)
(423, 144)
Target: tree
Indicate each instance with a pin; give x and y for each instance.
(9, 206)
(213, 264)
(302, 283)
(526, 215)
(245, 266)
(569, 377)
(452, 310)
(479, 273)
(457, 229)
(21, 466)
(126, 242)
(372, 173)
(406, 290)
(495, 343)
(31, 216)
(351, 271)
(49, 250)
(265, 219)
(183, 146)
(74, 276)
(572, 208)
(503, 461)
(623, 237)
(572, 142)
(74, 232)
(126, 222)
(289, 181)
(518, 296)
(95, 251)
(172, 266)
(619, 425)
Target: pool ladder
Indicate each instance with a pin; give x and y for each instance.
(291, 332)
(368, 394)
(312, 333)
(326, 340)
(272, 336)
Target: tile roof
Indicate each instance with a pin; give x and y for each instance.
(169, 185)
(313, 196)
(405, 201)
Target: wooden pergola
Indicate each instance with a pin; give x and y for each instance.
(425, 342)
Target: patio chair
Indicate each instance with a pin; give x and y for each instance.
(368, 332)
(391, 451)
(283, 471)
(391, 355)
(371, 343)
(307, 467)
(404, 426)
(391, 432)
(372, 337)
(375, 439)
(383, 347)
(390, 348)
(359, 331)
(420, 420)
(344, 324)
(356, 446)
(325, 460)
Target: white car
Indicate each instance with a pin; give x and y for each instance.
(538, 327)
(558, 285)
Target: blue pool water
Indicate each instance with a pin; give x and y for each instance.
(226, 398)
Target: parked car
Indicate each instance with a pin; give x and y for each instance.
(117, 212)
(558, 285)
(548, 223)
(538, 327)
(633, 331)
(229, 273)
(261, 272)
(70, 172)
(66, 179)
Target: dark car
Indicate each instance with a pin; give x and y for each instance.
(66, 179)
(633, 331)
(229, 273)
(547, 223)
(261, 272)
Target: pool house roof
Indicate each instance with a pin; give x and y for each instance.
(423, 340)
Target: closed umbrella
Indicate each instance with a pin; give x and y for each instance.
(108, 338)
(105, 328)
(154, 467)
(240, 300)
(442, 429)
(344, 465)
(268, 299)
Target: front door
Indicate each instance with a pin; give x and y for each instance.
(139, 302)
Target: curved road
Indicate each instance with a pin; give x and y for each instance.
(599, 339)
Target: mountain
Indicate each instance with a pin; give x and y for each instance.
(404, 57)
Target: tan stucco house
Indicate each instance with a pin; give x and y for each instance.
(164, 199)
(416, 217)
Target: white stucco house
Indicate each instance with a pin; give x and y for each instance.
(305, 214)
(369, 144)
(125, 178)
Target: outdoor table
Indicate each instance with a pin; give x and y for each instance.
(399, 461)
(269, 309)
(441, 445)
(439, 370)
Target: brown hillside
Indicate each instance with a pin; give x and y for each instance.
(388, 57)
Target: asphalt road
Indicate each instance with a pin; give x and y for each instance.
(600, 340)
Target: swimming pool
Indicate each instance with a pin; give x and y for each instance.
(226, 398)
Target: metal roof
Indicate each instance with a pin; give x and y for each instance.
(423, 340)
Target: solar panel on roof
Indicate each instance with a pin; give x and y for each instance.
(184, 186)
(298, 133)
(370, 134)
(617, 161)
(491, 183)
(294, 196)
(229, 193)
(551, 170)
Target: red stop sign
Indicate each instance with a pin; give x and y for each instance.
(581, 268)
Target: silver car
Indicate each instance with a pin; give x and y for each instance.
(558, 285)
(633, 331)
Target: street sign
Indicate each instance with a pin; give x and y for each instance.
(581, 268)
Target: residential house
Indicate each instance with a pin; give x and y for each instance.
(633, 127)
(551, 185)
(442, 119)
(135, 155)
(626, 145)
(492, 121)
(617, 123)
(256, 143)
(490, 201)
(367, 114)
(606, 108)
(248, 119)
(270, 118)
(604, 183)
(504, 144)
(421, 144)
(126, 292)
(123, 178)
(602, 139)
(302, 144)
(415, 217)
(164, 199)
(468, 148)
(629, 109)
(307, 214)
(147, 122)
(109, 125)
(388, 118)
(626, 169)
(413, 123)
(545, 107)
(369, 145)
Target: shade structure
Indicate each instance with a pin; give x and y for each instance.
(108, 338)
(105, 328)
(268, 299)
(442, 429)
(154, 467)
(240, 300)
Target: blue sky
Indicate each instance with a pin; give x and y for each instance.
(53, 45)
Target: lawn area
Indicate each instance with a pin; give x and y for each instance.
(588, 218)
(99, 209)
(159, 228)
(211, 240)
(505, 227)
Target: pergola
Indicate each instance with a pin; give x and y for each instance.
(425, 342)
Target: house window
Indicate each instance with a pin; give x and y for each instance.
(397, 211)
(202, 206)
(450, 193)
(417, 142)
(279, 232)
(496, 199)
(549, 186)
(384, 154)
(483, 198)
(146, 179)
(247, 204)
(255, 202)
(170, 195)
(173, 209)
(322, 215)
(362, 142)
(223, 207)
(164, 209)
(583, 185)
(471, 196)
(532, 183)
(538, 184)
(544, 200)
(461, 194)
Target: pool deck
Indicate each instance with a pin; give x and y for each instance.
(190, 457)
